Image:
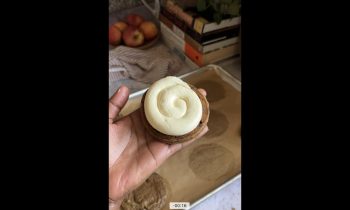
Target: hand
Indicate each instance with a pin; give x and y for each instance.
(133, 154)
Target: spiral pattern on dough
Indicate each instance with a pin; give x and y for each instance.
(172, 107)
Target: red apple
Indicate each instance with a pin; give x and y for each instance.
(115, 36)
(149, 29)
(133, 37)
(121, 25)
(134, 19)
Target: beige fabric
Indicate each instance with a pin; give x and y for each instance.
(142, 65)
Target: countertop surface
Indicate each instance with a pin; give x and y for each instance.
(227, 198)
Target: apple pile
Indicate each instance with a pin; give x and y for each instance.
(133, 32)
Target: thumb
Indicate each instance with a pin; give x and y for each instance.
(117, 102)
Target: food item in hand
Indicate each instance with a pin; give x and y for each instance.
(149, 30)
(133, 37)
(173, 111)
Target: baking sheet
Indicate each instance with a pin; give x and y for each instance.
(213, 161)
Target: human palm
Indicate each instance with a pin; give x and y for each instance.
(133, 154)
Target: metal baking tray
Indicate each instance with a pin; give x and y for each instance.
(191, 188)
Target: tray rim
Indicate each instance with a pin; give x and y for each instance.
(199, 70)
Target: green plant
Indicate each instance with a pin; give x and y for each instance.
(220, 8)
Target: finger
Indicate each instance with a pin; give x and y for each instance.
(117, 102)
(177, 147)
(202, 91)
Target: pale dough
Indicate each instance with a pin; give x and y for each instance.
(151, 195)
(172, 107)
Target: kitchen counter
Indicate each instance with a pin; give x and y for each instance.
(228, 198)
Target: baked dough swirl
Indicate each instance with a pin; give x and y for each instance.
(172, 107)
